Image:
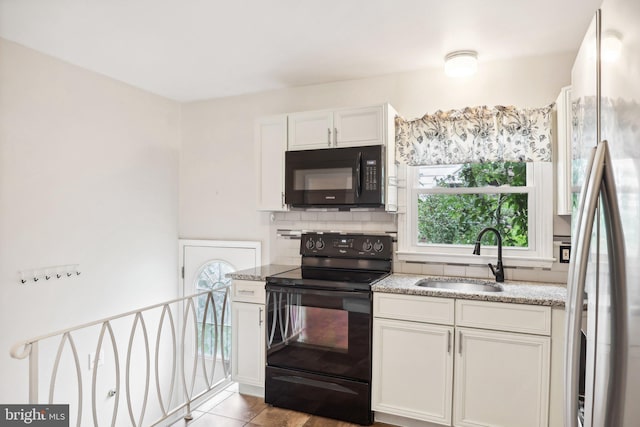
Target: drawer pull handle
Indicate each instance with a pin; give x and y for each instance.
(246, 292)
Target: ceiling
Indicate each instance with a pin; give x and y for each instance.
(197, 49)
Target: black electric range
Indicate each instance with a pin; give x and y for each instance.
(319, 326)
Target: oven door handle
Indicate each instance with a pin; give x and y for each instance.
(318, 292)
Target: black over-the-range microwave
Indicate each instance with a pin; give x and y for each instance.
(340, 178)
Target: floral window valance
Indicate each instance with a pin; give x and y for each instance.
(475, 135)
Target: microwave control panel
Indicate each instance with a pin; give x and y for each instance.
(371, 175)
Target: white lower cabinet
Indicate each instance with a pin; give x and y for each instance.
(413, 369)
(248, 334)
(501, 379)
(413, 356)
(486, 373)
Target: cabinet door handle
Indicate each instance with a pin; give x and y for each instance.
(329, 137)
(448, 341)
(335, 136)
(282, 196)
(260, 316)
(459, 342)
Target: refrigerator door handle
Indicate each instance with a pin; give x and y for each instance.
(600, 182)
(576, 283)
(619, 302)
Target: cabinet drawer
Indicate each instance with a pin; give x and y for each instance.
(530, 319)
(413, 307)
(248, 291)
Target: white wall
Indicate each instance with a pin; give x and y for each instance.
(217, 181)
(88, 176)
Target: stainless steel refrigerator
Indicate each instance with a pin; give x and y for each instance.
(605, 265)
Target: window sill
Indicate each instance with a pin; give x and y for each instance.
(448, 258)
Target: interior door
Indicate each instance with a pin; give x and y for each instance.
(195, 254)
(204, 265)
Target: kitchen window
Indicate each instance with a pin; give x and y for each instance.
(448, 205)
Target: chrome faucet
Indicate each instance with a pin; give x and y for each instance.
(498, 271)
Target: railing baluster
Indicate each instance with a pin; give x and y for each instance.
(138, 318)
(190, 308)
(31, 349)
(207, 305)
(52, 385)
(166, 310)
(225, 362)
(106, 326)
(33, 373)
(215, 342)
(116, 361)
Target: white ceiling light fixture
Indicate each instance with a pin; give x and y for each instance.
(611, 47)
(461, 63)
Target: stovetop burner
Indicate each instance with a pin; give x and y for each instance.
(323, 278)
(339, 261)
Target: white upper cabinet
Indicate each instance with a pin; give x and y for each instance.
(310, 130)
(359, 126)
(563, 152)
(270, 144)
(346, 127)
(343, 127)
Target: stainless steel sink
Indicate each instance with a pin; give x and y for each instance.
(459, 285)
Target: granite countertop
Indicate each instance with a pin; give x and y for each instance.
(514, 292)
(260, 274)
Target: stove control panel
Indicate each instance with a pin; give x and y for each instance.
(379, 246)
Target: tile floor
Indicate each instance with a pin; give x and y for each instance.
(232, 409)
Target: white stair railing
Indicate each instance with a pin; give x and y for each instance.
(203, 341)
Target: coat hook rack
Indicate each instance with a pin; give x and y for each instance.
(47, 273)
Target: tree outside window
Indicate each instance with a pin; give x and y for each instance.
(217, 325)
(451, 212)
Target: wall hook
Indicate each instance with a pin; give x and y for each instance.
(48, 272)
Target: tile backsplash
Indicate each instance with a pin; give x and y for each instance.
(287, 249)
(285, 245)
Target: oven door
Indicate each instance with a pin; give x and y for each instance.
(319, 331)
(332, 177)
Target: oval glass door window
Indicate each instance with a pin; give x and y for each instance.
(217, 333)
